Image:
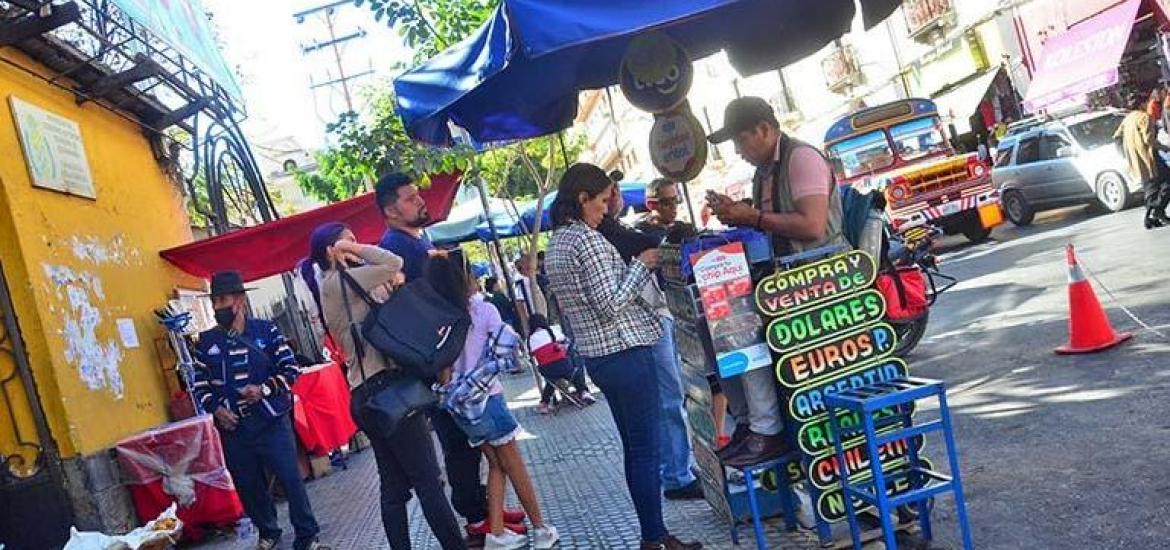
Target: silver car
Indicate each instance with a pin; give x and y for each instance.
(1065, 162)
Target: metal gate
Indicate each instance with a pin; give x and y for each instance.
(34, 509)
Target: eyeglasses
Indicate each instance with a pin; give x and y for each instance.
(666, 201)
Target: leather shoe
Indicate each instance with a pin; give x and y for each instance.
(671, 543)
(691, 491)
(741, 432)
(757, 448)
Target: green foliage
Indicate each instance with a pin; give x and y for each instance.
(430, 26)
(365, 147)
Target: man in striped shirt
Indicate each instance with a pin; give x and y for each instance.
(244, 371)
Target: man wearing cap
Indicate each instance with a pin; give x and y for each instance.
(244, 371)
(800, 208)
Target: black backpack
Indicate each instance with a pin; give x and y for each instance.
(416, 328)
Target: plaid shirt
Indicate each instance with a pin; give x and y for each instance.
(599, 294)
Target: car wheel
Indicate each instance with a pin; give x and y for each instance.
(1017, 208)
(974, 231)
(1112, 193)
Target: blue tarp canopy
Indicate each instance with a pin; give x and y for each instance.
(518, 76)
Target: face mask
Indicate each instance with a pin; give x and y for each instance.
(225, 316)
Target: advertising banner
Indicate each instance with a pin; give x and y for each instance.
(183, 25)
(725, 288)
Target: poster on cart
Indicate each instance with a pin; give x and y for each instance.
(827, 329)
(725, 289)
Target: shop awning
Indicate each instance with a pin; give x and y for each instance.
(1084, 58)
(276, 247)
(957, 105)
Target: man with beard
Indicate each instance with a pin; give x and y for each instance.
(405, 213)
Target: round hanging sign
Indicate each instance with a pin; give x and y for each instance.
(656, 73)
(678, 147)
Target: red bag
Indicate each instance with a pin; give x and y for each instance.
(905, 293)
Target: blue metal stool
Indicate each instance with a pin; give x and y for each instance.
(787, 498)
(925, 483)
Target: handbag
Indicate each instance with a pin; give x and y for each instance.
(381, 403)
(905, 293)
(416, 328)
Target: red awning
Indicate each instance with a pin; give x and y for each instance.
(276, 247)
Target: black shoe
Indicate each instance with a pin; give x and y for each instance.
(1153, 223)
(691, 491)
(741, 432)
(757, 448)
(672, 543)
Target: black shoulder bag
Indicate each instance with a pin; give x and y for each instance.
(417, 328)
(379, 405)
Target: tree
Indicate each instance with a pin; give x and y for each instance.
(431, 26)
(366, 146)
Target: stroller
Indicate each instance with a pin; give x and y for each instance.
(563, 373)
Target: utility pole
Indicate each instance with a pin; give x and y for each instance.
(333, 43)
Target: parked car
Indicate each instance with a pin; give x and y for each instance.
(1063, 162)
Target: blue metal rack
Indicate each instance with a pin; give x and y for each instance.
(924, 483)
(787, 498)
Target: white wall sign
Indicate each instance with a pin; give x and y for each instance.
(53, 150)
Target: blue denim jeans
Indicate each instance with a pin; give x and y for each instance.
(675, 448)
(622, 377)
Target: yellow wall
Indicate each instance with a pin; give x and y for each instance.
(76, 265)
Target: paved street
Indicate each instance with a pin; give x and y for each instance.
(576, 464)
(1057, 452)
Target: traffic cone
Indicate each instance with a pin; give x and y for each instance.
(1088, 327)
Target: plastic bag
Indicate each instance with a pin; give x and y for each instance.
(161, 532)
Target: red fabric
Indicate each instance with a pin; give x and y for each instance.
(913, 292)
(214, 507)
(321, 409)
(550, 353)
(276, 247)
(188, 449)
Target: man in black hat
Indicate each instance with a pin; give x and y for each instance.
(795, 202)
(244, 371)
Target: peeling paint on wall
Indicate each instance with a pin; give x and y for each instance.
(115, 251)
(96, 360)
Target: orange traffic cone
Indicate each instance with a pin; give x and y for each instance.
(1088, 327)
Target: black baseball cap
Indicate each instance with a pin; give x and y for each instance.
(743, 113)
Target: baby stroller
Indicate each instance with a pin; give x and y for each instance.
(564, 376)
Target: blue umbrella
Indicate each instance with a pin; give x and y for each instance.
(518, 76)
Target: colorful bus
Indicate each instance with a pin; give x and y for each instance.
(901, 149)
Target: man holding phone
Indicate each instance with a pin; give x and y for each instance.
(795, 201)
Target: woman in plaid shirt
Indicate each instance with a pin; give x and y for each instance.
(614, 331)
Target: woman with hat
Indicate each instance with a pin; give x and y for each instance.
(244, 372)
(406, 458)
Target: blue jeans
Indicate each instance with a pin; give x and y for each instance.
(675, 448)
(622, 377)
(260, 444)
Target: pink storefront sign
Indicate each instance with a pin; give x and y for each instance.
(1084, 58)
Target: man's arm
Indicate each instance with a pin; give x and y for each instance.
(629, 242)
(286, 369)
(806, 224)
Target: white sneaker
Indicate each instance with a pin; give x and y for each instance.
(507, 540)
(545, 537)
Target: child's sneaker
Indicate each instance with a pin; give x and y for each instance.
(545, 537)
(507, 540)
(587, 398)
(544, 408)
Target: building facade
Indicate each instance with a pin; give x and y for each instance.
(964, 54)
